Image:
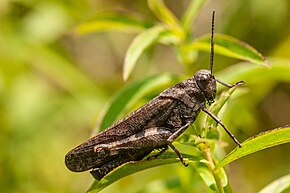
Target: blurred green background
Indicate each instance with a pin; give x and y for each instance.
(54, 84)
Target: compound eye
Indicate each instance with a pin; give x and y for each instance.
(202, 83)
(203, 78)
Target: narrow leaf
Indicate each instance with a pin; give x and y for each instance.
(128, 96)
(253, 74)
(113, 21)
(169, 38)
(136, 166)
(278, 185)
(190, 14)
(163, 13)
(137, 47)
(217, 106)
(231, 47)
(208, 177)
(259, 142)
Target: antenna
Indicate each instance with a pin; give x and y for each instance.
(212, 43)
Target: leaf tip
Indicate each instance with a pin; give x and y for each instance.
(267, 63)
(126, 73)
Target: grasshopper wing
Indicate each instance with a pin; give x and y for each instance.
(152, 114)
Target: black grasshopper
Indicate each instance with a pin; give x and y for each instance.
(153, 126)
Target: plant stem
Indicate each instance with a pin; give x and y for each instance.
(211, 165)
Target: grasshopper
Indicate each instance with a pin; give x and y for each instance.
(155, 125)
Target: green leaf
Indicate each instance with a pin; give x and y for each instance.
(186, 56)
(217, 106)
(169, 38)
(128, 96)
(253, 74)
(190, 14)
(209, 129)
(186, 139)
(259, 142)
(231, 47)
(278, 185)
(208, 177)
(228, 188)
(136, 166)
(112, 21)
(163, 13)
(137, 47)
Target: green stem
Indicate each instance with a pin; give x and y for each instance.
(211, 165)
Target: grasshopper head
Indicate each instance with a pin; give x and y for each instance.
(207, 84)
